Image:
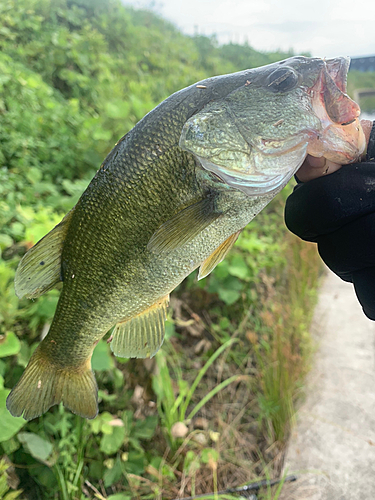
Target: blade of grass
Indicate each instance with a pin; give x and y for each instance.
(200, 375)
(212, 393)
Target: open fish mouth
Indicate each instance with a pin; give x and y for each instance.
(258, 136)
(342, 139)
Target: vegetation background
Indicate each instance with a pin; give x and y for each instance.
(212, 410)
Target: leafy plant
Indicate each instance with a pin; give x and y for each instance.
(173, 408)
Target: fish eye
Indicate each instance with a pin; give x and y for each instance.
(282, 80)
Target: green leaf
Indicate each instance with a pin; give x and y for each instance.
(9, 345)
(110, 443)
(209, 454)
(5, 241)
(9, 425)
(38, 447)
(12, 495)
(145, 429)
(10, 446)
(238, 267)
(34, 175)
(135, 463)
(113, 475)
(229, 296)
(101, 358)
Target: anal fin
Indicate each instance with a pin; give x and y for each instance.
(142, 335)
(217, 256)
(40, 268)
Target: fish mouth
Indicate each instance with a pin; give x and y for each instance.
(341, 139)
(260, 159)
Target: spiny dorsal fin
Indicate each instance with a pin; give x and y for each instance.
(40, 268)
(142, 335)
(44, 384)
(183, 227)
(217, 256)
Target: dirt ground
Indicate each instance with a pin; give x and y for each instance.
(332, 448)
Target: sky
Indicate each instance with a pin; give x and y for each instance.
(325, 28)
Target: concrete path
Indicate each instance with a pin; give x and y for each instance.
(332, 448)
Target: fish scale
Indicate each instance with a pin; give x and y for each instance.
(171, 196)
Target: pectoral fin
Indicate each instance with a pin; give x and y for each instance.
(142, 335)
(183, 227)
(40, 268)
(217, 256)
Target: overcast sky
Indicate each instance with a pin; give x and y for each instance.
(325, 28)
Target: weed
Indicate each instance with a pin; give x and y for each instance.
(173, 408)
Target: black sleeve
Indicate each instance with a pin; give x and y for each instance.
(337, 212)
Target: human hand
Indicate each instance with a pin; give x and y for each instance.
(314, 167)
(338, 213)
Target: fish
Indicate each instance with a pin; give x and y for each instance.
(172, 196)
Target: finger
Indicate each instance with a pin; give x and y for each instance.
(314, 167)
(366, 127)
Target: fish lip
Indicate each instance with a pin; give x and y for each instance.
(338, 68)
(341, 138)
(330, 88)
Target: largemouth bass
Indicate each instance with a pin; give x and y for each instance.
(172, 196)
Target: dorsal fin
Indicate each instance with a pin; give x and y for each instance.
(142, 335)
(40, 268)
(183, 227)
(217, 256)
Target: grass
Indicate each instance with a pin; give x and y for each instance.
(173, 407)
(285, 360)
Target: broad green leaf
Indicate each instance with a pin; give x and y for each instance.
(110, 443)
(9, 345)
(228, 296)
(135, 463)
(38, 447)
(10, 446)
(101, 358)
(145, 429)
(238, 267)
(209, 454)
(9, 425)
(112, 475)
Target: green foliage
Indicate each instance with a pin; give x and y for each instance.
(358, 80)
(173, 407)
(9, 425)
(38, 447)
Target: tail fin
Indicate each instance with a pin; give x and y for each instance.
(43, 385)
